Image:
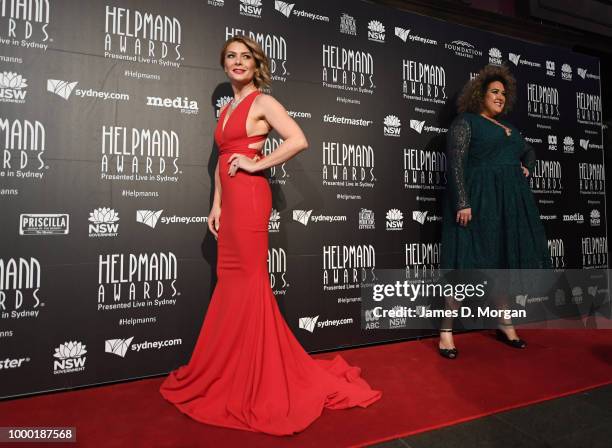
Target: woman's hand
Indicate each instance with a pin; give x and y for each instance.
(240, 161)
(525, 171)
(464, 216)
(214, 218)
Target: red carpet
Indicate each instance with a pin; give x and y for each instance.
(421, 391)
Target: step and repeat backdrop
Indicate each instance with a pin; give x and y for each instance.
(107, 157)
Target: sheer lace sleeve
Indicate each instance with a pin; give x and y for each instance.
(528, 157)
(457, 147)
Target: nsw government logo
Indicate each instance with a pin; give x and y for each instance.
(366, 219)
(251, 8)
(595, 217)
(495, 56)
(568, 145)
(44, 224)
(392, 126)
(566, 72)
(12, 88)
(274, 222)
(395, 219)
(103, 222)
(70, 357)
(376, 31)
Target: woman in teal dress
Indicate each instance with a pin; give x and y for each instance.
(491, 220)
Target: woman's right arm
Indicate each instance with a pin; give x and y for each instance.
(457, 148)
(215, 211)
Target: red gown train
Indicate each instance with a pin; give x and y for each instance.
(247, 370)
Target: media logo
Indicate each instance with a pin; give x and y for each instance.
(183, 104)
(463, 49)
(70, 358)
(424, 170)
(277, 270)
(346, 69)
(595, 217)
(22, 147)
(251, 8)
(366, 219)
(348, 25)
(136, 36)
(592, 178)
(556, 248)
(308, 323)
(546, 177)
(578, 218)
(44, 224)
(566, 72)
(103, 222)
(402, 33)
(423, 82)
(395, 219)
(348, 165)
(495, 56)
(130, 281)
(278, 174)
(550, 68)
(594, 252)
(19, 288)
(392, 126)
(376, 31)
(274, 222)
(348, 267)
(12, 88)
(25, 23)
(422, 259)
(131, 154)
(568, 145)
(588, 108)
(118, 347)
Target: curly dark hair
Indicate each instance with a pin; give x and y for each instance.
(472, 95)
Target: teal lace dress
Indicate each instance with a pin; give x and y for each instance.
(484, 173)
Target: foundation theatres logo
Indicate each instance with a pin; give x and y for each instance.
(376, 31)
(421, 259)
(278, 174)
(556, 248)
(463, 49)
(24, 23)
(19, 288)
(395, 219)
(566, 72)
(273, 45)
(22, 148)
(348, 165)
(12, 88)
(65, 89)
(44, 224)
(347, 69)
(424, 170)
(366, 219)
(69, 357)
(546, 177)
(287, 9)
(542, 102)
(495, 56)
(348, 25)
(392, 126)
(135, 36)
(274, 222)
(128, 281)
(591, 178)
(142, 155)
(423, 82)
(277, 269)
(251, 8)
(594, 252)
(588, 108)
(348, 266)
(103, 222)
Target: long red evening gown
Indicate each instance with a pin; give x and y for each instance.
(247, 370)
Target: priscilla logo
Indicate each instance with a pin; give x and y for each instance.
(392, 126)
(70, 357)
(184, 104)
(25, 23)
(376, 31)
(135, 36)
(12, 88)
(104, 222)
(251, 8)
(308, 323)
(65, 89)
(44, 224)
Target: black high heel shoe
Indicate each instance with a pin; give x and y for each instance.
(448, 353)
(514, 343)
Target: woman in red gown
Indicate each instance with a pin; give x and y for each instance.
(247, 370)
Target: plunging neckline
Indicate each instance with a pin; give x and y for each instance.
(226, 119)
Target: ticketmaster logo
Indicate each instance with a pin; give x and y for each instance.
(148, 217)
(61, 88)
